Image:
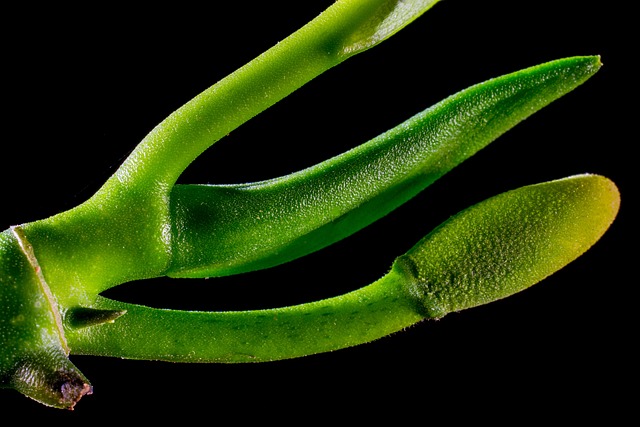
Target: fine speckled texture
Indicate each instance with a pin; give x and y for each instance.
(509, 242)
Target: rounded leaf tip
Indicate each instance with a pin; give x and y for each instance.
(509, 242)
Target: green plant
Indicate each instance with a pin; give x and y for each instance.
(140, 224)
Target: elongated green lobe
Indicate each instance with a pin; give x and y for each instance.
(221, 230)
(491, 250)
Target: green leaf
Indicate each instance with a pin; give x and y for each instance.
(229, 229)
(509, 242)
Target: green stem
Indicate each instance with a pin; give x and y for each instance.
(34, 351)
(250, 336)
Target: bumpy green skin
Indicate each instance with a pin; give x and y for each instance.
(509, 242)
(141, 225)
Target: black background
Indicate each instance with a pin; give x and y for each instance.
(81, 88)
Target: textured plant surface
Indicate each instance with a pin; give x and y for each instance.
(142, 224)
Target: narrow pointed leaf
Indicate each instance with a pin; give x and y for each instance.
(221, 230)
